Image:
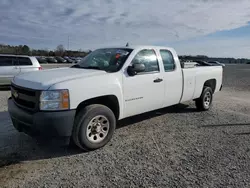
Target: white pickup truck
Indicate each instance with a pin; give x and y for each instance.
(84, 102)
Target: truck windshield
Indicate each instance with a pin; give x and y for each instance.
(108, 59)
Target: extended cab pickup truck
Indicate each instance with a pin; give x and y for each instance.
(83, 102)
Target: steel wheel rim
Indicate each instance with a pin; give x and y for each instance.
(207, 99)
(97, 129)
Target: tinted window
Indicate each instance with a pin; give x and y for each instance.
(24, 61)
(168, 60)
(149, 58)
(6, 61)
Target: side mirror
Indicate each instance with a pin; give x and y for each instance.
(135, 68)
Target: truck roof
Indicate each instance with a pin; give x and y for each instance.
(139, 47)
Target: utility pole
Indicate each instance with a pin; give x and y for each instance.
(68, 42)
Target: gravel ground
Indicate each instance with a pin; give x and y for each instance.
(173, 147)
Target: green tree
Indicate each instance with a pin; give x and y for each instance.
(25, 49)
(51, 53)
(60, 50)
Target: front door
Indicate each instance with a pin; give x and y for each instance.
(144, 91)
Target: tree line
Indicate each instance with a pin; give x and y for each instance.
(224, 60)
(61, 51)
(26, 50)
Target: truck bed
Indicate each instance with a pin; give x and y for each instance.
(195, 77)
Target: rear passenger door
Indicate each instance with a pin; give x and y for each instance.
(8, 69)
(172, 78)
(25, 64)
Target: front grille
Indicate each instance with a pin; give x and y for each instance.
(24, 97)
(25, 103)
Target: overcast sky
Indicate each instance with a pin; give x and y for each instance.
(210, 27)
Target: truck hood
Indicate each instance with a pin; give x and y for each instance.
(42, 80)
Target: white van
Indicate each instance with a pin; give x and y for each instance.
(12, 65)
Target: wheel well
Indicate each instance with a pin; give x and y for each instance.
(110, 101)
(211, 83)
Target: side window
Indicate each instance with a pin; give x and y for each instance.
(168, 60)
(6, 61)
(24, 61)
(149, 58)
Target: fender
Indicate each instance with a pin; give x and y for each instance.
(83, 89)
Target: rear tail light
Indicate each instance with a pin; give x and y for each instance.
(40, 68)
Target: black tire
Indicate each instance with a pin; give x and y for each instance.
(82, 121)
(202, 103)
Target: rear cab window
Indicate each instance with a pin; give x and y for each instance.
(168, 60)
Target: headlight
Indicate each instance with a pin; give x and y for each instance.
(54, 100)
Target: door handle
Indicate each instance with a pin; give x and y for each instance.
(158, 80)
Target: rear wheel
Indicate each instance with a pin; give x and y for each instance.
(205, 101)
(94, 127)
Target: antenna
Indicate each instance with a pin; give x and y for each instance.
(127, 44)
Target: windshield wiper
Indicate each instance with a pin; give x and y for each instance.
(92, 67)
(87, 67)
(76, 66)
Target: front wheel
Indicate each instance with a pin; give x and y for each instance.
(205, 101)
(94, 127)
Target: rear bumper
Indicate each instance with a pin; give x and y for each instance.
(42, 124)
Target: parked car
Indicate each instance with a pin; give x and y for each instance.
(78, 59)
(69, 60)
(60, 60)
(75, 59)
(13, 65)
(42, 60)
(202, 63)
(216, 63)
(51, 60)
(84, 102)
